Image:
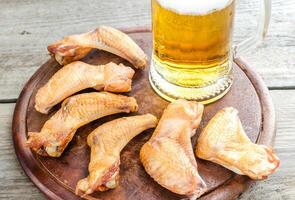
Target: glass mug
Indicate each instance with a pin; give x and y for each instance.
(192, 47)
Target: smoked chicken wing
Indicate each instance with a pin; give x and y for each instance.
(75, 47)
(225, 142)
(168, 156)
(75, 112)
(78, 76)
(106, 143)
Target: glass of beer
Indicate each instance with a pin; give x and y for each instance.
(192, 47)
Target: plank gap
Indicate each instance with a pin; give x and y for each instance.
(8, 100)
(282, 88)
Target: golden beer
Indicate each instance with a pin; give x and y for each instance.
(192, 49)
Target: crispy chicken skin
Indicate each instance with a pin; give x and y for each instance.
(75, 112)
(75, 47)
(225, 142)
(77, 76)
(106, 143)
(168, 156)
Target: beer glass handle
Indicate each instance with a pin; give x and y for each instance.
(262, 26)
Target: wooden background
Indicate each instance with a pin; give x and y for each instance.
(27, 26)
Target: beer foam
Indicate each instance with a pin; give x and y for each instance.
(194, 7)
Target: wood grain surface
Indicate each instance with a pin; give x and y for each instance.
(28, 26)
(57, 178)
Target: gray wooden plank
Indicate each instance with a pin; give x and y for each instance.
(28, 26)
(275, 58)
(15, 185)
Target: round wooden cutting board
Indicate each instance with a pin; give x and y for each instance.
(57, 177)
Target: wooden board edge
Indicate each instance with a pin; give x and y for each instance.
(238, 182)
(21, 107)
(268, 109)
(268, 119)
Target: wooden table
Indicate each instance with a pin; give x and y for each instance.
(26, 27)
